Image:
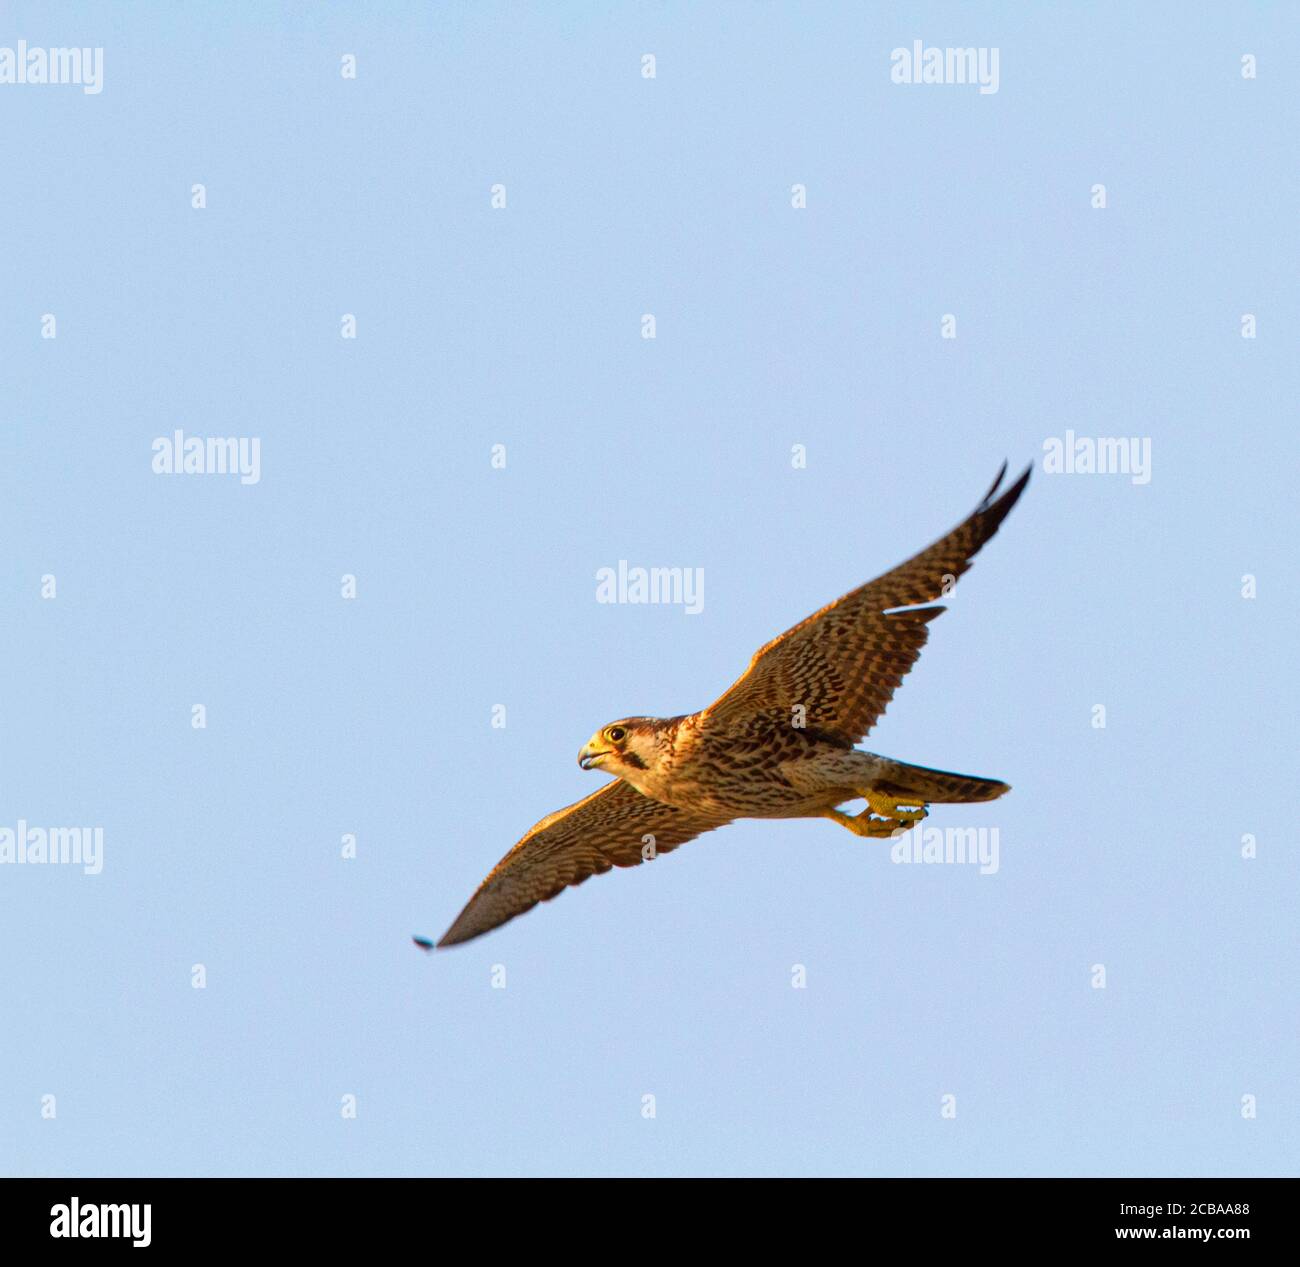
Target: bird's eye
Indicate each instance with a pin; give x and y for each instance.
(616, 734)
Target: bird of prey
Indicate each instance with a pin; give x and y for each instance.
(779, 743)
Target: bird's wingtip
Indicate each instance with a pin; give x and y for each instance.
(997, 482)
(1021, 480)
(1006, 497)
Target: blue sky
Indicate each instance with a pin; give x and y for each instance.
(522, 326)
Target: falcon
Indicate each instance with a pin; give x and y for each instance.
(779, 743)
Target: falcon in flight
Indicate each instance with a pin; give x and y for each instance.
(779, 743)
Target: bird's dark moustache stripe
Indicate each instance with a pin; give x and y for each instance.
(630, 758)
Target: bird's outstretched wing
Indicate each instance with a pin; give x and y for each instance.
(844, 663)
(607, 829)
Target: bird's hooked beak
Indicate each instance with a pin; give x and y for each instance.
(590, 757)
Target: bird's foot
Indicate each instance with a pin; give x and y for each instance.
(865, 825)
(890, 807)
(884, 817)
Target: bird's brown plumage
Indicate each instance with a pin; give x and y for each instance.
(845, 662)
(842, 665)
(615, 827)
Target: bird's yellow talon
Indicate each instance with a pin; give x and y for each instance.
(889, 807)
(883, 818)
(866, 825)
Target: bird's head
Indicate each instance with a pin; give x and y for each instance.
(623, 748)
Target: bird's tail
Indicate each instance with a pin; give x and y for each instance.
(920, 784)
